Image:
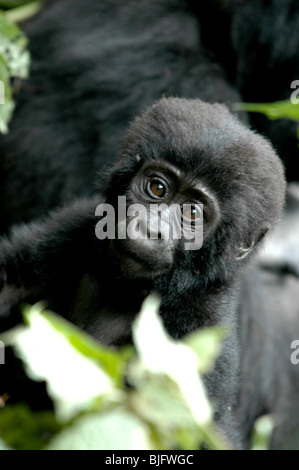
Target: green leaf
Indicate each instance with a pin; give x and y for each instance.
(14, 62)
(8, 30)
(23, 11)
(74, 382)
(6, 101)
(166, 408)
(13, 3)
(3, 446)
(170, 357)
(23, 429)
(276, 110)
(159, 402)
(113, 362)
(12, 48)
(174, 362)
(117, 429)
(262, 432)
(207, 343)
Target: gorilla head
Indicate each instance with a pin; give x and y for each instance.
(190, 152)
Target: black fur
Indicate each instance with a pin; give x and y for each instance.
(95, 66)
(269, 381)
(85, 88)
(259, 52)
(61, 260)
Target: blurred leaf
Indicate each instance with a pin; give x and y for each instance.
(8, 30)
(159, 403)
(171, 358)
(3, 445)
(13, 3)
(23, 429)
(13, 45)
(207, 345)
(14, 62)
(24, 11)
(115, 430)
(49, 356)
(276, 110)
(262, 432)
(6, 101)
(164, 405)
(113, 362)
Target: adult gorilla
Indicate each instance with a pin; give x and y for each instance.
(259, 52)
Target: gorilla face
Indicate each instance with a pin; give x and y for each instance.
(167, 211)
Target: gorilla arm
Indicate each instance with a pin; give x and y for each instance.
(43, 256)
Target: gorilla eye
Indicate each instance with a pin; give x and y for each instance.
(156, 188)
(191, 212)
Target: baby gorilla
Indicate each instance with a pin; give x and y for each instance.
(182, 152)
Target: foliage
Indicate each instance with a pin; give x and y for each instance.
(14, 62)
(153, 398)
(277, 110)
(14, 56)
(262, 432)
(13, 3)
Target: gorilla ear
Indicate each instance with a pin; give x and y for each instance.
(263, 232)
(244, 251)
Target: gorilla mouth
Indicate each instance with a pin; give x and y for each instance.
(132, 262)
